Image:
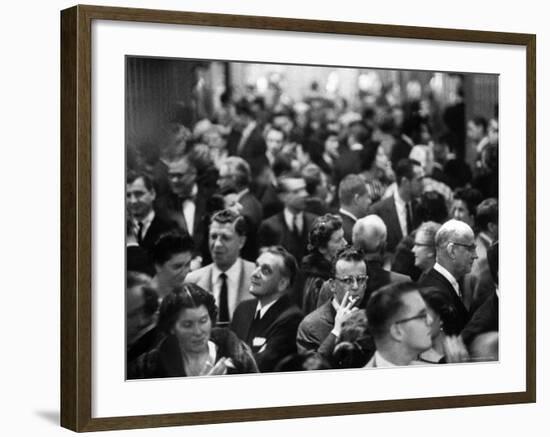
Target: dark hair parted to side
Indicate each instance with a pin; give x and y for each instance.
(440, 302)
(432, 207)
(384, 304)
(405, 169)
(322, 230)
(228, 216)
(132, 176)
(185, 296)
(487, 212)
(150, 295)
(350, 254)
(170, 244)
(470, 196)
(290, 266)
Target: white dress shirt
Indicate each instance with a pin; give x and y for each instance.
(188, 209)
(233, 277)
(401, 208)
(263, 309)
(448, 276)
(289, 219)
(380, 361)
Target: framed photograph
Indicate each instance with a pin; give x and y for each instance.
(162, 306)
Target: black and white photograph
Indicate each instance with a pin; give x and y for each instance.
(287, 218)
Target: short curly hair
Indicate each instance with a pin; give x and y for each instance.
(322, 229)
(184, 297)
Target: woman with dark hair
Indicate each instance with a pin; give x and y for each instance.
(432, 208)
(192, 347)
(326, 238)
(444, 324)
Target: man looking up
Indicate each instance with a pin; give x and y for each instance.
(268, 323)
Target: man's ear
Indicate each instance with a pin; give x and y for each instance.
(396, 332)
(283, 284)
(450, 251)
(242, 241)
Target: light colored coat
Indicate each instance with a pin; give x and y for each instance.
(204, 278)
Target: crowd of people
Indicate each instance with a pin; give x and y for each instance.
(310, 236)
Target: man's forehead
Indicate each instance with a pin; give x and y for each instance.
(137, 184)
(226, 228)
(293, 184)
(178, 166)
(269, 259)
(345, 267)
(413, 302)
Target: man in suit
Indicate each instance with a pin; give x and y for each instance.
(354, 202)
(320, 330)
(146, 225)
(289, 228)
(455, 254)
(185, 203)
(398, 211)
(317, 189)
(228, 277)
(268, 323)
(246, 140)
(235, 178)
(400, 324)
(349, 159)
(370, 236)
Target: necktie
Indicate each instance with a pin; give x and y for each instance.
(224, 309)
(409, 217)
(140, 233)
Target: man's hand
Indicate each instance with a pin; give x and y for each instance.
(345, 310)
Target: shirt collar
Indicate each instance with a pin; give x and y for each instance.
(147, 220)
(398, 199)
(380, 361)
(289, 218)
(232, 272)
(263, 309)
(448, 276)
(484, 236)
(349, 214)
(240, 194)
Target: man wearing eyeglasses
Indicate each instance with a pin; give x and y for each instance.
(399, 321)
(320, 330)
(455, 254)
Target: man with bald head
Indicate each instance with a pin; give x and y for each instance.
(370, 236)
(455, 254)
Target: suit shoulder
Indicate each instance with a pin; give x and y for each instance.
(399, 277)
(196, 275)
(381, 204)
(242, 306)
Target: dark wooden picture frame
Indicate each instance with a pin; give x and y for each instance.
(76, 217)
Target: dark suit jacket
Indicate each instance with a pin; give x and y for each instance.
(274, 231)
(385, 209)
(253, 146)
(159, 226)
(485, 319)
(252, 211)
(314, 331)
(170, 206)
(349, 162)
(347, 225)
(267, 195)
(275, 333)
(379, 277)
(435, 279)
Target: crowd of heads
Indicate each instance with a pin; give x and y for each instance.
(317, 164)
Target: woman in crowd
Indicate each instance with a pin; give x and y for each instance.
(444, 324)
(192, 347)
(424, 246)
(376, 170)
(326, 238)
